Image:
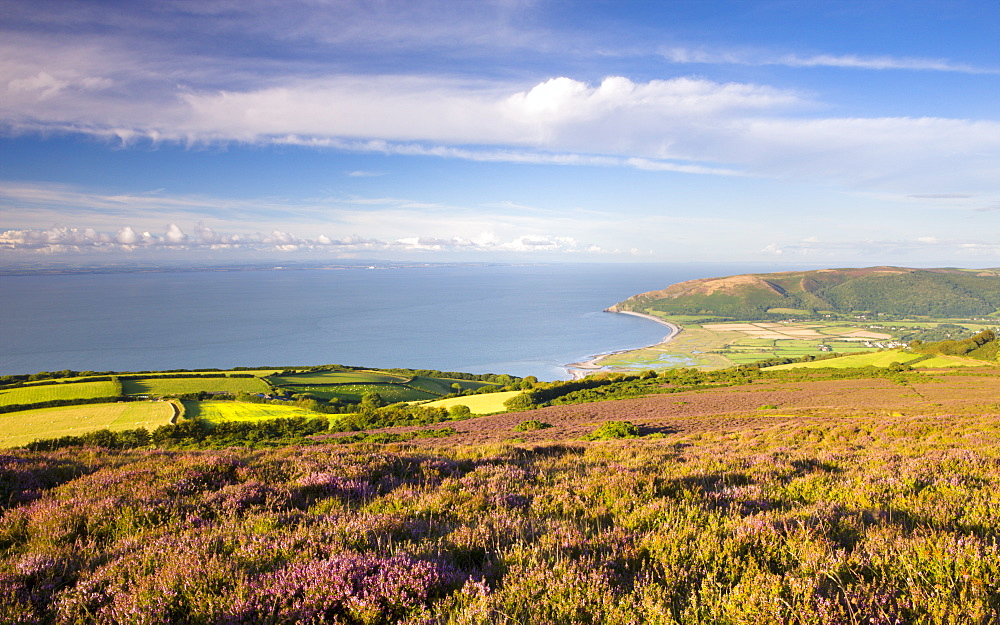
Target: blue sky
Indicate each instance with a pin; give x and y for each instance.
(832, 133)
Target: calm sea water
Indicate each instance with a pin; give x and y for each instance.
(522, 320)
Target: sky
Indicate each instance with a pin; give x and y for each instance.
(848, 133)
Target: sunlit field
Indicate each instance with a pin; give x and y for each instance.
(62, 391)
(20, 428)
(479, 404)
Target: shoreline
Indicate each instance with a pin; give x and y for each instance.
(580, 370)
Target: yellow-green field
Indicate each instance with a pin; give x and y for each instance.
(179, 386)
(487, 403)
(884, 359)
(240, 411)
(20, 428)
(50, 392)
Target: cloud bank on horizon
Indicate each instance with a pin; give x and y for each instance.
(501, 129)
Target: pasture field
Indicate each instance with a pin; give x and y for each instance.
(216, 411)
(20, 428)
(487, 403)
(391, 393)
(50, 392)
(353, 385)
(337, 377)
(443, 386)
(159, 386)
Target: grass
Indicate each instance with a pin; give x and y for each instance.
(487, 403)
(391, 393)
(337, 377)
(179, 386)
(20, 428)
(50, 392)
(216, 411)
(443, 386)
(353, 385)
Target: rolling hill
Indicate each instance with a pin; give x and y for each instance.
(898, 291)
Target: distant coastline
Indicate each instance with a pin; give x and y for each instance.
(581, 369)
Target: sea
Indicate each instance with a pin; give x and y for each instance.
(523, 320)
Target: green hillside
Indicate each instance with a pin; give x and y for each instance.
(895, 291)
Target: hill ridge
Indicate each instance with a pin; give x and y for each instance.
(938, 292)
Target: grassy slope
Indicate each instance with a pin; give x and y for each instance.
(49, 392)
(19, 428)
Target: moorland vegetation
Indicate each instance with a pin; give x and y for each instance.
(793, 490)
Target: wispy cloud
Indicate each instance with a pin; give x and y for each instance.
(921, 249)
(847, 61)
(685, 125)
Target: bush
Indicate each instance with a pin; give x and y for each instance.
(614, 429)
(531, 425)
(523, 401)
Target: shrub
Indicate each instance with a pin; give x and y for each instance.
(524, 401)
(531, 425)
(614, 429)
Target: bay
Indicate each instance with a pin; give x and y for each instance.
(517, 319)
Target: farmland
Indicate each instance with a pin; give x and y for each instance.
(216, 411)
(57, 392)
(159, 386)
(352, 386)
(487, 403)
(722, 345)
(337, 377)
(20, 428)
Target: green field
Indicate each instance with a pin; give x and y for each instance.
(20, 428)
(216, 411)
(337, 377)
(354, 385)
(884, 359)
(391, 393)
(486, 403)
(50, 392)
(179, 386)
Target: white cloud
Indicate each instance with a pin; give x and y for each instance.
(686, 125)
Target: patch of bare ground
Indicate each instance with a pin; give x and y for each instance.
(758, 406)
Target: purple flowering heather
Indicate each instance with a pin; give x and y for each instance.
(348, 588)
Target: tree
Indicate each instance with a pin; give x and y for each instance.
(372, 400)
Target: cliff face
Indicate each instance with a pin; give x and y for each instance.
(894, 290)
